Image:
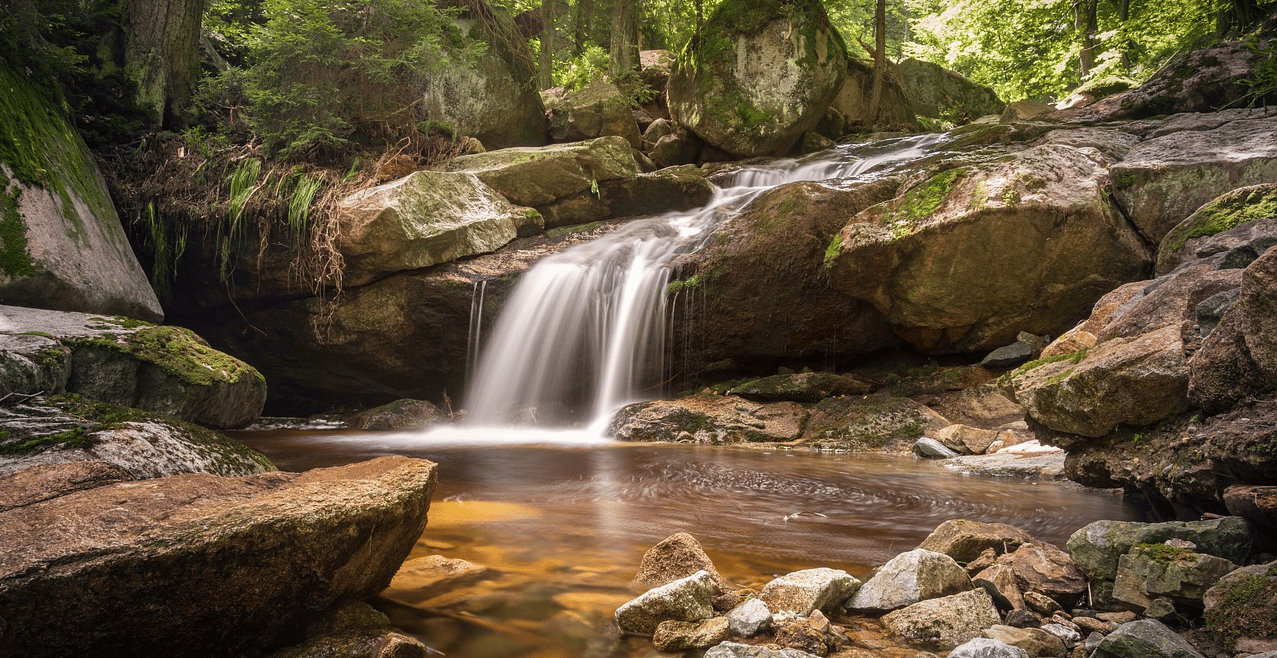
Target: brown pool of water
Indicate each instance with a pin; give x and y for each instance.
(557, 531)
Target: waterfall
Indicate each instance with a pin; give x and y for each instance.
(583, 332)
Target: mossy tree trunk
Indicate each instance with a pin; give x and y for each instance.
(161, 42)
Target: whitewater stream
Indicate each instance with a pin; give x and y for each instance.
(531, 489)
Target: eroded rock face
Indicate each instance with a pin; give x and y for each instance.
(197, 565)
(67, 250)
(1242, 607)
(912, 258)
(1164, 179)
(760, 77)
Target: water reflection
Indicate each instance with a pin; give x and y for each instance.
(567, 525)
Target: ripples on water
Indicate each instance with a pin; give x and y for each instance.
(562, 521)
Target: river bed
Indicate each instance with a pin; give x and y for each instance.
(562, 526)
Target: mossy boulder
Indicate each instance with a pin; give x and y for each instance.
(495, 98)
(800, 387)
(1165, 179)
(976, 251)
(423, 219)
(854, 98)
(62, 245)
(760, 75)
(874, 423)
(1242, 608)
(707, 418)
(67, 428)
(938, 93)
(1254, 205)
(1098, 547)
(598, 109)
(161, 369)
(1150, 571)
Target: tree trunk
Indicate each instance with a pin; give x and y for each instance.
(161, 52)
(584, 18)
(547, 43)
(624, 50)
(1123, 17)
(880, 60)
(1084, 19)
(700, 24)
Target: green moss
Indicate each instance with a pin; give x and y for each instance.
(179, 352)
(921, 201)
(832, 251)
(72, 438)
(1161, 553)
(1124, 180)
(1224, 213)
(675, 287)
(14, 259)
(1073, 357)
(52, 357)
(42, 334)
(1245, 609)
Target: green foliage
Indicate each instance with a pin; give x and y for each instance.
(321, 74)
(1261, 84)
(590, 65)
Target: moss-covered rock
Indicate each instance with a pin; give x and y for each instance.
(800, 387)
(61, 243)
(596, 110)
(869, 423)
(1242, 608)
(161, 369)
(1256, 203)
(711, 419)
(939, 93)
(760, 75)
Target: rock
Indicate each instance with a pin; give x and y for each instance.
(999, 581)
(749, 618)
(965, 540)
(983, 647)
(1238, 360)
(1145, 638)
(987, 558)
(810, 589)
(1008, 355)
(47, 481)
(986, 406)
(1041, 603)
(1258, 504)
(1131, 381)
(599, 109)
(758, 290)
(1242, 608)
(943, 624)
(1017, 461)
(68, 429)
(737, 650)
(1070, 636)
(672, 188)
(496, 100)
(654, 68)
(1023, 618)
(677, 148)
(928, 447)
(398, 415)
(853, 99)
(1164, 179)
(1150, 571)
(1025, 111)
(389, 644)
(1094, 625)
(1035, 642)
(800, 387)
(753, 87)
(708, 419)
(232, 563)
(797, 634)
(1097, 547)
(1047, 570)
(66, 249)
(687, 599)
(1244, 218)
(938, 93)
(675, 557)
(423, 578)
(908, 257)
(908, 578)
(160, 369)
(1161, 609)
(870, 423)
(966, 440)
(672, 635)
(424, 219)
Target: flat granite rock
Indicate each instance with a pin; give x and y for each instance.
(201, 565)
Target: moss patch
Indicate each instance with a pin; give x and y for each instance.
(1226, 212)
(1072, 357)
(1247, 609)
(178, 352)
(921, 201)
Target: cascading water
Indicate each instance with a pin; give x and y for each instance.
(583, 331)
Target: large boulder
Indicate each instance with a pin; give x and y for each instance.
(853, 100)
(944, 623)
(1150, 571)
(45, 432)
(965, 540)
(708, 418)
(198, 565)
(908, 578)
(1146, 638)
(496, 98)
(1164, 179)
(974, 253)
(423, 219)
(1254, 206)
(598, 109)
(686, 599)
(758, 291)
(1238, 360)
(801, 592)
(1242, 608)
(938, 93)
(875, 422)
(62, 245)
(760, 75)
(1098, 547)
(161, 369)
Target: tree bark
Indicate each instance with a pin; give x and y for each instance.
(880, 60)
(161, 52)
(584, 18)
(624, 50)
(1085, 19)
(547, 43)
